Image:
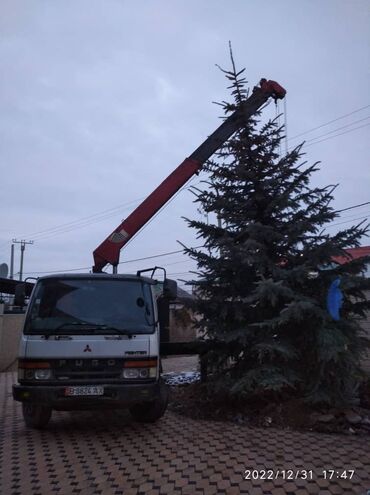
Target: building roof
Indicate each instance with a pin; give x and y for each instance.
(353, 254)
(183, 294)
(8, 285)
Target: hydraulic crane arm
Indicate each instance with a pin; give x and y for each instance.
(109, 250)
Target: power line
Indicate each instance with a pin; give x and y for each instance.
(157, 255)
(354, 214)
(169, 253)
(92, 219)
(352, 207)
(120, 263)
(197, 247)
(179, 262)
(72, 228)
(76, 224)
(338, 129)
(336, 135)
(330, 122)
(89, 223)
(98, 214)
(180, 273)
(346, 221)
(330, 137)
(83, 222)
(104, 214)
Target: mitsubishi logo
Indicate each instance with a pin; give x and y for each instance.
(87, 348)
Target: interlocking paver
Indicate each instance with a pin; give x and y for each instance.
(107, 453)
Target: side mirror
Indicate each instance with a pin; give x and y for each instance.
(170, 289)
(20, 295)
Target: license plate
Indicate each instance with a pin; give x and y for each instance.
(92, 390)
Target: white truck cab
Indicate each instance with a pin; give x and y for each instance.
(89, 341)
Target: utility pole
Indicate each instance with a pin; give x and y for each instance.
(23, 247)
(12, 261)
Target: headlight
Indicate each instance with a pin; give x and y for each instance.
(144, 373)
(140, 369)
(139, 373)
(131, 373)
(29, 369)
(44, 374)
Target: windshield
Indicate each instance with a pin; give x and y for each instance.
(81, 306)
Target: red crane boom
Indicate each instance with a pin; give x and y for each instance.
(109, 250)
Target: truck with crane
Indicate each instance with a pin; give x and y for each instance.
(93, 340)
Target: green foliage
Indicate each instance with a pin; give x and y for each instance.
(265, 269)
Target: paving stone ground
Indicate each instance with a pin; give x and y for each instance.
(107, 453)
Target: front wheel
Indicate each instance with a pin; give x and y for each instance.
(36, 416)
(149, 412)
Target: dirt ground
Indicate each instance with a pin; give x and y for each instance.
(192, 400)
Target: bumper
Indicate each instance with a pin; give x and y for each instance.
(114, 396)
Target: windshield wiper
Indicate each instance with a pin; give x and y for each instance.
(92, 326)
(73, 324)
(55, 331)
(120, 331)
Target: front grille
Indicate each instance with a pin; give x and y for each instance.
(99, 370)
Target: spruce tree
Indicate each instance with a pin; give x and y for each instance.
(265, 269)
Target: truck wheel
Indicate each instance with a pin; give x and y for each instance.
(149, 412)
(36, 416)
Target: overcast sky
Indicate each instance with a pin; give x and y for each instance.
(101, 100)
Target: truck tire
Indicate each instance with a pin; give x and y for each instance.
(149, 412)
(36, 416)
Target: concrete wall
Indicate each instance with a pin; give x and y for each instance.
(10, 334)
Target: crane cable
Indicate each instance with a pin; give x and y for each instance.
(286, 125)
(277, 117)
